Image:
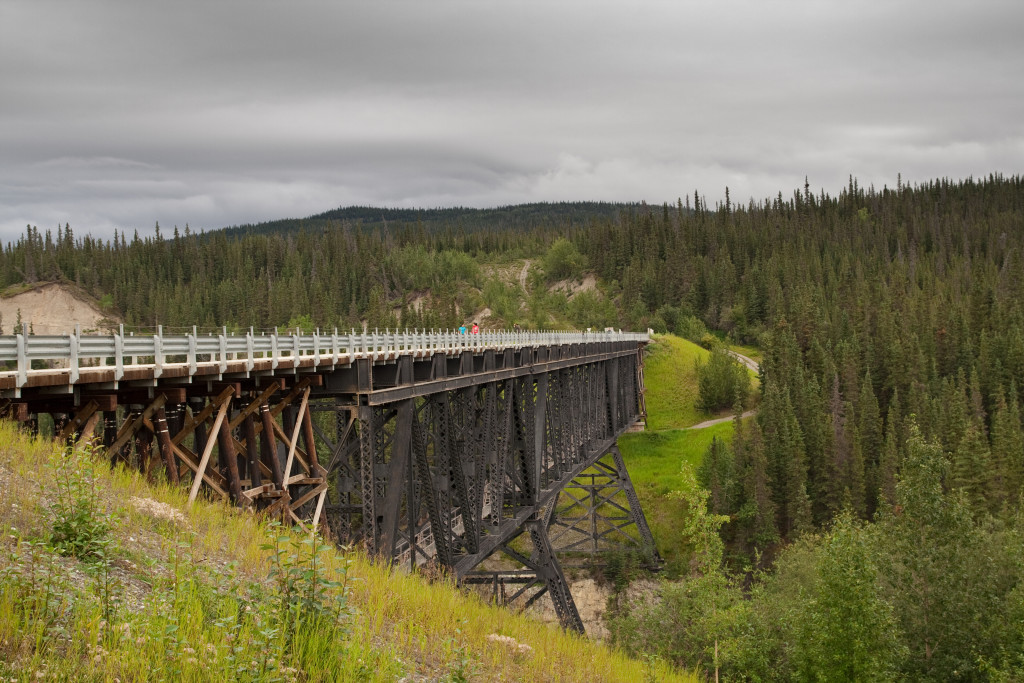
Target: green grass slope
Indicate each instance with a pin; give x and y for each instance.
(212, 593)
(670, 378)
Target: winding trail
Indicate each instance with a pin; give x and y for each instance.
(749, 362)
(523, 274)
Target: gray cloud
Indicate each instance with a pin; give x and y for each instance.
(118, 115)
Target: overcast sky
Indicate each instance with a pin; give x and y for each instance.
(121, 114)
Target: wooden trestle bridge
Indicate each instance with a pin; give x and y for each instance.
(425, 447)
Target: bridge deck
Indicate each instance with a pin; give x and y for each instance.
(73, 359)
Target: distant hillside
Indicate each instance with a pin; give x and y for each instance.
(519, 217)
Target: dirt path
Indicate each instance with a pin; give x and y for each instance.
(749, 362)
(523, 273)
(719, 420)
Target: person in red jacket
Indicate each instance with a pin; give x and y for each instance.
(476, 329)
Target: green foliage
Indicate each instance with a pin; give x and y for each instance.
(621, 567)
(80, 525)
(302, 324)
(721, 382)
(700, 527)
(690, 327)
(591, 310)
(298, 568)
(563, 260)
(504, 299)
(680, 623)
(845, 630)
(658, 464)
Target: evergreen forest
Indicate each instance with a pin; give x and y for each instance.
(867, 524)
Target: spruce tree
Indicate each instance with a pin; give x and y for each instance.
(757, 516)
(870, 438)
(970, 472)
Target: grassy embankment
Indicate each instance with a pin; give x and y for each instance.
(162, 592)
(655, 457)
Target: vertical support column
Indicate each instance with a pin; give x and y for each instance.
(143, 449)
(399, 468)
(166, 449)
(229, 459)
(368, 437)
(612, 374)
(268, 446)
(109, 429)
(540, 434)
(307, 438)
(252, 452)
(428, 490)
(199, 434)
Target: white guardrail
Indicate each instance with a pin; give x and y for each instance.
(120, 351)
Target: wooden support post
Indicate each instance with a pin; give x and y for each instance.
(163, 437)
(252, 451)
(109, 431)
(143, 448)
(307, 437)
(268, 445)
(229, 459)
(88, 433)
(205, 460)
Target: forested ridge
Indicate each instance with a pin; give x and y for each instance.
(882, 478)
(514, 217)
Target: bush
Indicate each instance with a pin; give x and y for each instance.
(590, 309)
(80, 526)
(690, 327)
(563, 260)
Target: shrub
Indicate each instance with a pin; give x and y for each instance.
(690, 327)
(563, 260)
(80, 525)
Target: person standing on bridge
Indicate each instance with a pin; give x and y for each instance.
(476, 328)
(462, 329)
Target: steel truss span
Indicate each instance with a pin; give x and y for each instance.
(424, 448)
